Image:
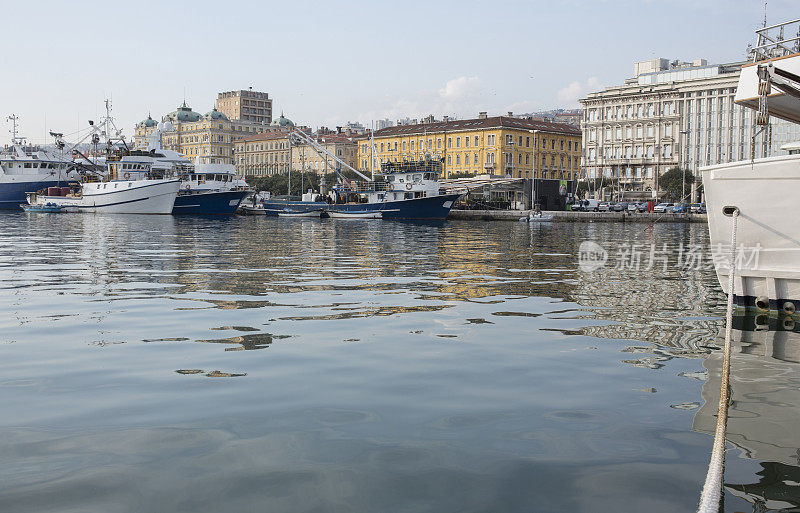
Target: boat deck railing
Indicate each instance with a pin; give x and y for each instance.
(776, 41)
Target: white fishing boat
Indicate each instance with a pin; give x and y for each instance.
(764, 191)
(140, 183)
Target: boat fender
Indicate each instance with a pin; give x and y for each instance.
(126, 176)
(389, 187)
(762, 303)
(788, 324)
(788, 307)
(408, 186)
(188, 187)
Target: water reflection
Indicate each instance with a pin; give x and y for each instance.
(450, 366)
(764, 410)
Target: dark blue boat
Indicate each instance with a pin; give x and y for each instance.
(208, 202)
(12, 194)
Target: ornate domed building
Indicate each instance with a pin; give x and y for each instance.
(184, 114)
(282, 122)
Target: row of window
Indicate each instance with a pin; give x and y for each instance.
(628, 132)
(526, 141)
(629, 152)
(641, 110)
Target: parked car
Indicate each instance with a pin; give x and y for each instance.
(589, 205)
(641, 207)
(636, 207)
(604, 206)
(619, 207)
(698, 208)
(680, 208)
(662, 208)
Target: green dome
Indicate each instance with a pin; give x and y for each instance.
(147, 123)
(183, 114)
(215, 115)
(282, 122)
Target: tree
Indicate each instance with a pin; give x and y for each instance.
(671, 183)
(591, 185)
(277, 185)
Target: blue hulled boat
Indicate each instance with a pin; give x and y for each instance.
(404, 190)
(210, 189)
(25, 168)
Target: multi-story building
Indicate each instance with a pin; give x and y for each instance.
(263, 154)
(308, 159)
(499, 145)
(249, 105)
(208, 139)
(672, 114)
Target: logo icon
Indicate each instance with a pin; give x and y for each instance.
(591, 256)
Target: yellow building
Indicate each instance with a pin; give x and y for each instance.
(263, 154)
(500, 145)
(208, 139)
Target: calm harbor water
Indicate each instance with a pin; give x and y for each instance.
(161, 363)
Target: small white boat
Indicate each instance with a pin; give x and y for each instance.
(343, 214)
(533, 218)
(300, 213)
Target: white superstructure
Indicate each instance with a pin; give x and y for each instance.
(765, 191)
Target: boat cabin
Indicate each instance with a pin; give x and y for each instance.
(397, 181)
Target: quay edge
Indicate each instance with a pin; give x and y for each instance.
(567, 216)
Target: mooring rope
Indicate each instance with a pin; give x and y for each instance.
(712, 489)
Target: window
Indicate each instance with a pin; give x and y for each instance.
(381, 146)
(411, 145)
(509, 139)
(458, 160)
(449, 142)
(439, 143)
(475, 161)
(458, 142)
(466, 142)
(476, 140)
(404, 146)
(449, 160)
(520, 140)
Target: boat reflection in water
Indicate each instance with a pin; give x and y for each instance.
(765, 409)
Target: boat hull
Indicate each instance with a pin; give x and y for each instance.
(209, 203)
(120, 197)
(13, 193)
(431, 207)
(765, 192)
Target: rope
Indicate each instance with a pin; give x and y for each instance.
(712, 489)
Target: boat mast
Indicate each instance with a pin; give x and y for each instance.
(14, 139)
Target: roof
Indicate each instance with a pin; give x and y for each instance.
(479, 124)
(184, 113)
(267, 136)
(282, 121)
(214, 115)
(334, 138)
(147, 123)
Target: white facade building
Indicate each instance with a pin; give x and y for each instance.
(671, 114)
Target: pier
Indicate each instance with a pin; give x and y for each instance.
(570, 216)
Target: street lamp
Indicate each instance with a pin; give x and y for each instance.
(683, 171)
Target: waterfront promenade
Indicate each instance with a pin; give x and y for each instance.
(569, 216)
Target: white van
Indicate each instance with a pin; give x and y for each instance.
(588, 205)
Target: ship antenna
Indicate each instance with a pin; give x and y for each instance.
(14, 118)
(765, 14)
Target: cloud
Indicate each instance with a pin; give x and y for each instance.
(461, 97)
(569, 96)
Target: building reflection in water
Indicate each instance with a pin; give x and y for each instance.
(764, 415)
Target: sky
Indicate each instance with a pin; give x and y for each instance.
(327, 63)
